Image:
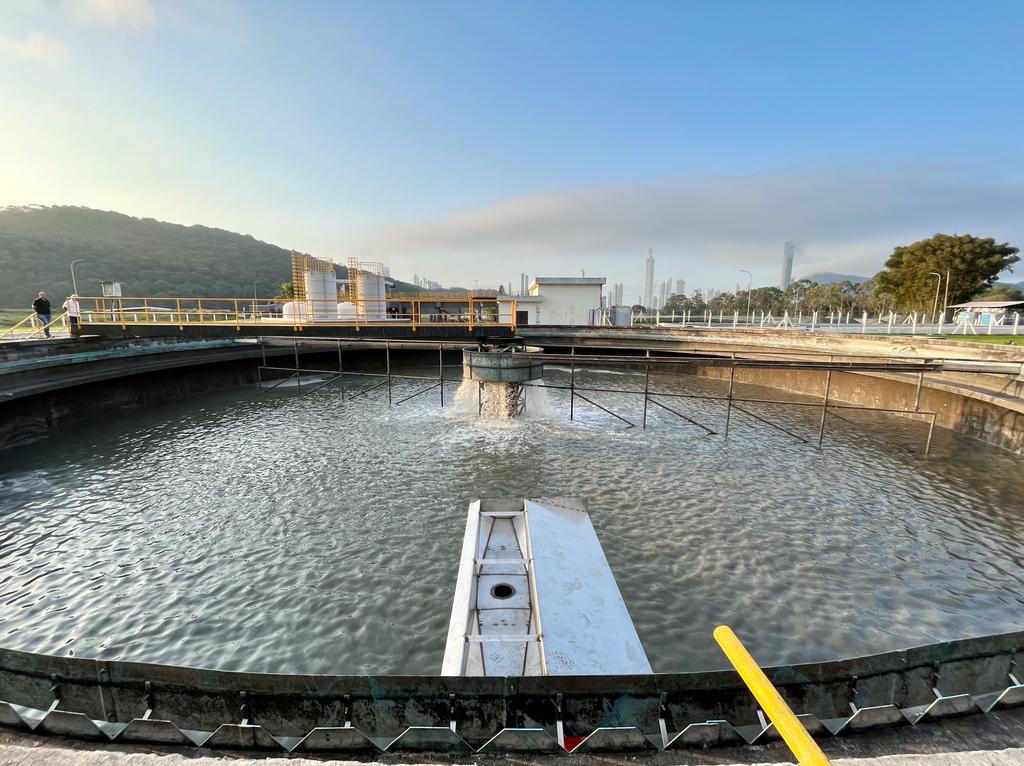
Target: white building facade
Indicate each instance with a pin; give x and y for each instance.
(568, 300)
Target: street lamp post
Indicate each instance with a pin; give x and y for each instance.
(750, 282)
(945, 299)
(254, 299)
(74, 284)
(935, 303)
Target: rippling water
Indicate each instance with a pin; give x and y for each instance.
(277, 532)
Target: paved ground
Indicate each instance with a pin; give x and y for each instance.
(996, 739)
(31, 757)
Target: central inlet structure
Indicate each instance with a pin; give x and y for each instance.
(500, 370)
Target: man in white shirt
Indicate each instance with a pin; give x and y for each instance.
(74, 310)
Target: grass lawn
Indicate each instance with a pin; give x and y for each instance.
(11, 317)
(1004, 340)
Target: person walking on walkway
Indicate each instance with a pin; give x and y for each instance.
(42, 308)
(74, 310)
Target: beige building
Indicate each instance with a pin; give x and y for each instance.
(557, 300)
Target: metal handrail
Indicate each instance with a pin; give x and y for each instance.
(10, 330)
(436, 311)
(41, 330)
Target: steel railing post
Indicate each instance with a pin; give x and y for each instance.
(824, 406)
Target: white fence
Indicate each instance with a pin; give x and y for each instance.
(839, 322)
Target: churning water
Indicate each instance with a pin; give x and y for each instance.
(304, 533)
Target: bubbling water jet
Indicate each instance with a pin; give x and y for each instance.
(499, 371)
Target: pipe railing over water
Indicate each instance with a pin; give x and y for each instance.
(577, 391)
(646, 363)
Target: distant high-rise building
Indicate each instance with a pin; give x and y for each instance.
(680, 287)
(649, 278)
(787, 265)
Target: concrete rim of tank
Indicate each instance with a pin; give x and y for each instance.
(498, 367)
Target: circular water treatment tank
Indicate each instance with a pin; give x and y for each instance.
(501, 367)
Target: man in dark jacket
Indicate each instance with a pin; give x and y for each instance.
(42, 309)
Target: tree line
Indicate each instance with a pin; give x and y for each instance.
(913, 276)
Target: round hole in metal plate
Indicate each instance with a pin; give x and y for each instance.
(503, 590)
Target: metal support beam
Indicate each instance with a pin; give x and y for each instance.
(647, 390)
(770, 423)
(341, 371)
(387, 360)
(681, 415)
(728, 400)
(605, 409)
(431, 387)
(374, 387)
(824, 406)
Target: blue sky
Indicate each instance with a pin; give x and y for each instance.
(475, 140)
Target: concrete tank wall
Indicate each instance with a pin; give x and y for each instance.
(976, 418)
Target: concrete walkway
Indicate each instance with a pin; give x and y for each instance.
(996, 739)
(17, 755)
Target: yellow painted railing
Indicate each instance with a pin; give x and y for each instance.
(27, 329)
(786, 723)
(421, 311)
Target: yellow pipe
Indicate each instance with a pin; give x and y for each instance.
(786, 723)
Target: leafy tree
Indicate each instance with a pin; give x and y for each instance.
(770, 300)
(1003, 292)
(973, 264)
(287, 290)
(727, 303)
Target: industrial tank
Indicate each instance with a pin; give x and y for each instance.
(367, 289)
(321, 295)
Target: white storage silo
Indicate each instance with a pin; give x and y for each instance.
(368, 289)
(372, 295)
(321, 295)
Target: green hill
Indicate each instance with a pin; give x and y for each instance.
(148, 257)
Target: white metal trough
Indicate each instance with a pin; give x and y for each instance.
(535, 596)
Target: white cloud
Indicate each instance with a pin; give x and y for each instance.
(134, 14)
(36, 47)
(841, 218)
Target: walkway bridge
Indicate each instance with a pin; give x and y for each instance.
(433, 316)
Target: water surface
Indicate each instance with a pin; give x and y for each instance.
(279, 532)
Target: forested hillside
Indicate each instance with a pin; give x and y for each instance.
(148, 257)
